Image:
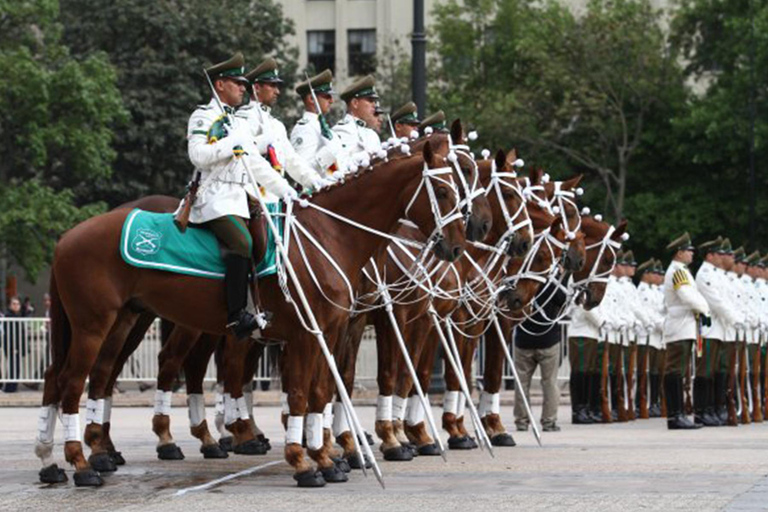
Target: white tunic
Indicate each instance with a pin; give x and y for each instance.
(262, 123)
(683, 301)
(356, 138)
(639, 323)
(713, 285)
(652, 301)
(585, 323)
(752, 332)
(322, 154)
(616, 317)
(225, 185)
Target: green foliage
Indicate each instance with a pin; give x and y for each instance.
(56, 118)
(160, 49)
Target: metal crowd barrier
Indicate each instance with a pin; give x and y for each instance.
(25, 355)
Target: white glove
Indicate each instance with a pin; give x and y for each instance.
(237, 137)
(263, 141)
(336, 176)
(317, 182)
(290, 195)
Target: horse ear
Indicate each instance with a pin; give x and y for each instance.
(427, 152)
(500, 159)
(535, 176)
(512, 156)
(572, 183)
(457, 132)
(620, 230)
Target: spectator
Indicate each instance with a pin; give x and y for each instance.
(27, 309)
(14, 346)
(537, 343)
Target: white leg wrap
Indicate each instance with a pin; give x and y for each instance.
(46, 423)
(484, 407)
(450, 402)
(196, 408)
(384, 408)
(295, 429)
(108, 409)
(284, 403)
(461, 405)
(340, 424)
(163, 402)
(415, 414)
(219, 403)
(241, 407)
(328, 415)
(314, 431)
(248, 395)
(71, 424)
(399, 405)
(219, 408)
(230, 410)
(94, 411)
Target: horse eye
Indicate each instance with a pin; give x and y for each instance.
(441, 192)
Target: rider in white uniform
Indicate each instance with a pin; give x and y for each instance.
(405, 121)
(356, 129)
(434, 123)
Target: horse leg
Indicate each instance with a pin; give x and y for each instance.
(453, 396)
(195, 366)
(255, 354)
(225, 439)
(490, 398)
(83, 352)
(236, 417)
(467, 353)
(388, 355)
(321, 394)
(170, 360)
(100, 374)
(346, 355)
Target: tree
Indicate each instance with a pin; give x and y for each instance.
(160, 49)
(56, 114)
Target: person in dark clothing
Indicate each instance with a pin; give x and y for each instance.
(13, 343)
(537, 343)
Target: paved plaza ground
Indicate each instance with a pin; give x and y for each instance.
(631, 466)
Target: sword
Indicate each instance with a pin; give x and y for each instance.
(325, 128)
(391, 126)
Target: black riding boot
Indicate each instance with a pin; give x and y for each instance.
(673, 390)
(580, 415)
(236, 282)
(702, 417)
(595, 402)
(721, 411)
(654, 408)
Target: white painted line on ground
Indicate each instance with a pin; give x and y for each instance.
(223, 479)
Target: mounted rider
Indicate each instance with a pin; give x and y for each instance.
(269, 133)
(356, 129)
(435, 123)
(217, 141)
(405, 120)
(312, 137)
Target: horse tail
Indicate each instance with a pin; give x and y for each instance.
(61, 329)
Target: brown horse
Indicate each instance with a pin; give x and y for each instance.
(91, 286)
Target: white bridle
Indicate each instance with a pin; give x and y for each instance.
(443, 175)
(473, 190)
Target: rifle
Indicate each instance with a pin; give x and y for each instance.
(699, 337)
(181, 219)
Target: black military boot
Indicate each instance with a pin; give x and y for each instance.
(673, 390)
(701, 402)
(721, 411)
(236, 281)
(593, 397)
(580, 415)
(654, 408)
(709, 409)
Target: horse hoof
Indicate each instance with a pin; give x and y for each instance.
(369, 439)
(88, 478)
(398, 453)
(213, 451)
(333, 475)
(342, 464)
(309, 478)
(264, 441)
(251, 447)
(102, 462)
(428, 450)
(461, 443)
(117, 458)
(169, 452)
(52, 474)
(354, 462)
(503, 440)
(225, 443)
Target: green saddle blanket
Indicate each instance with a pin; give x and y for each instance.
(152, 240)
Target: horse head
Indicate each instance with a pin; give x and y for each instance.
(602, 240)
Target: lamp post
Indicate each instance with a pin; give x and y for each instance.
(419, 58)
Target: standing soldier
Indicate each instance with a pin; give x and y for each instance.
(741, 283)
(725, 380)
(648, 343)
(615, 327)
(405, 121)
(215, 147)
(312, 137)
(762, 282)
(356, 129)
(270, 134)
(657, 358)
(753, 334)
(712, 283)
(684, 305)
(583, 336)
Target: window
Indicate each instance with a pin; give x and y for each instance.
(362, 51)
(321, 47)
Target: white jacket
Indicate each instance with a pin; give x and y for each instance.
(322, 154)
(226, 192)
(712, 283)
(639, 323)
(652, 299)
(357, 139)
(617, 318)
(585, 323)
(752, 329)
(683, 301)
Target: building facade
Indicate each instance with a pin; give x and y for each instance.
(347, 35)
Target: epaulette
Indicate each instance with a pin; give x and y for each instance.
(360, 123)
(302, 121)
(680, 278)
(343, 121)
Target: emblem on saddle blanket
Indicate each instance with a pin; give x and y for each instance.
(152, 240)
